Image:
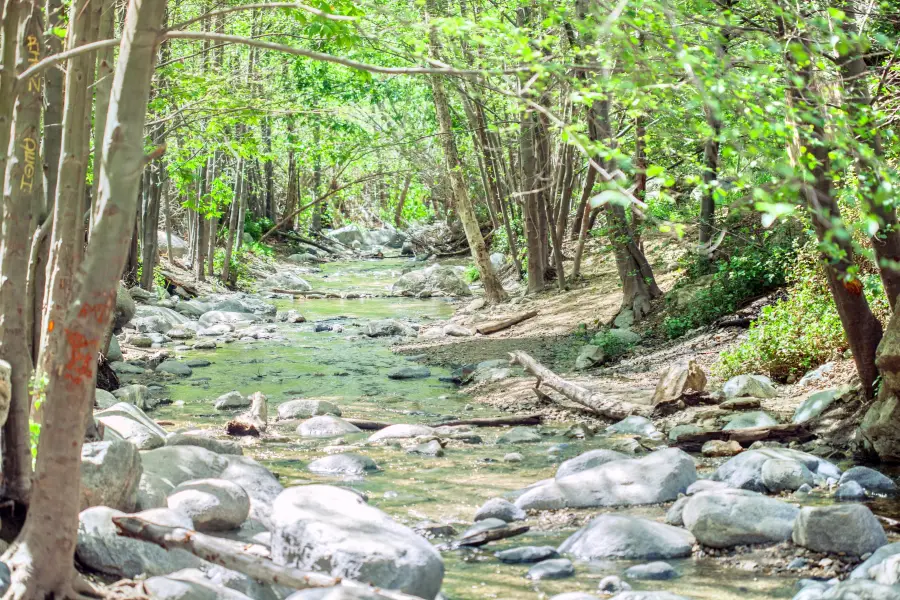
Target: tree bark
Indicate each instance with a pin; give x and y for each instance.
(494, 327)
(398, 212)
(233, 222)
(21, 197)
(41, 559)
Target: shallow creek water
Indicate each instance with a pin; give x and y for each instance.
(350, 370)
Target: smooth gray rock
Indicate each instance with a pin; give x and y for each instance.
(325, 426)
(101, 549)
(526, 554)
(401, 431)
(553, 568)
(519, 435)
(499, 508)
(782, 475)
(212, 504)
(388, 328)
(683, 430)
(588, 460)
(242, 303)
(231, 319)
(574, 596)
(850, 491)
(870, 479)
(157, 319)
(232, 400)
(110, 473)
(177, 588)
(588, 357)
(620, 536)
(131, 424)
(745, 469)
(136, 394)
(305, 408)
(737, 517)
(849, 528)
(613, 584)
(114, 352)
(333, 530)
(648, 596)
(633, 425)
(482, 526)
(879, 556)
(748, 420)
(656, 571)
(103, 399)
(125, 308)
(436, 278)
(285, 281)
(626, 336)
(675, 514)
(754, 386)
(411, 372)
(657, 477)
(343, 464)
(861, 589)
(174, 367)
(814, 405)
(204, 441)
(432, 448)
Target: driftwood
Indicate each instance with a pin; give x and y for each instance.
(316, 295)
(491, 535)
(231, 555)
(693, 442)
(174, 280)
(489, 328)
(606, 406)
(488, 422)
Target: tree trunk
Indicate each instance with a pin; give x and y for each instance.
(42, 557)
(202, 238)
(10, 24)
(269, 170)
(233, 222)
(22, 196)
(105, 60)
(398, 212)
(316, 224)
(493, 289)
(151, 225)
(531, 213)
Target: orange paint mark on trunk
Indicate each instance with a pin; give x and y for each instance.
(82, 357)
(99, 311)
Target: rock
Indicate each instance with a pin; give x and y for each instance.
(285, 281)
(498, 508)
(680, 376)
(625, 336)
(657, 477)
(880, 428)
(620, 536)
(242, 303)
(114, 352)
(870, 479)
(554, 568)
(878, 557)
(325, 426)
(175, 368)
(166, 468)
(401, 431)
(204, 441)
(686, 429)
(782, 475)
(412, 372)
(389, 327)
(137, 395)
(407, 249)
(305, 408)
(750, 419)
(121, 368)
(101, 549)
(717, 448)
(674, 516)
(656, 571)
(157, 319)
(212, 504)
(588, 460)
(215, 318)
(740, 404)
(436, 278)
(333, 530)
(178, 248)
(519, 435)
(625, 319)
(589, 356)
(848, 528)
(859, 589)
(526, 554)
(454, 330)
(232, 400)
(729, 518)
(648, 596)
(131, 424)
(483, 525)
(513, 457)
(850, 491)
(110, 473)
(612, 584)
(176, 587)
(814, 405)
(633, 425)
(343, 464)
(755, 386)
(103, 399)
(745, 470)
(125, 308)
(432, 448)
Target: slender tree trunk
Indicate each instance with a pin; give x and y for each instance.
(10, 25)
(203, 222)
(42, 557)
(398, 212)
(269, 170)
(21, 197)
(151, 225)
(493, 289)
(105, 60)
(531, 217)
(316, 224)
(589, 181)
(168, 201)
(233, 221)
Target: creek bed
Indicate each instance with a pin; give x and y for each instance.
(350, 370)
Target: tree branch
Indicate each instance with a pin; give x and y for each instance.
(297, 5)
(55, 59)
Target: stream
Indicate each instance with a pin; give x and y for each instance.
(350, 370)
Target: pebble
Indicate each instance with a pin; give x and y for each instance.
(612, 584)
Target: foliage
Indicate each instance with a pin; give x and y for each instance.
(471, 274)
(37, 386)
(257, 227)
(239, 270)
(613, 347)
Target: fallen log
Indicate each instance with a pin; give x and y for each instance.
(603, 405)
(492, 535)
(489, 328)
(314, 295)
(485, 422)
(231, 555)
(176, 281)
(693, 442)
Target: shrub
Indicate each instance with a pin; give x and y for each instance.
(471, 274)
(613, 346)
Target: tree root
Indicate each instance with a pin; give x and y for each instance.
(28, 583)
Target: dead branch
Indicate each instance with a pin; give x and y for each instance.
(605, 406)
(693, 442)
(489, 328)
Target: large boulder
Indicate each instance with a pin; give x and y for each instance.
(745, 470)
(178, 587)
(241, 303)
(499, 508)
(227, 582)
(179, 246)
(347, 235)
(325, 426)
(125, 308)
(166, 468)
(736, 517)
(657, 477)
(212, 504)
(848, 528)
(203, 440)
(131, 424)
(879, 430)
(102, 549)
(224, 317)
(114, 351)
(330, 529)
(633, 425)
(588, 460)
(137, 395)
(436, 278)
(346, 464)
(870, 479)
(401, 431)
(389, 327)
(878, 557)
(815, 404)
(619, 536)
(157, 319)
(754, 386)
(103, 399)
(780, 475)
(174, 367)
(680, 376)
(110, 473)
(231, 401)
(305, 408)
(285, 281)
